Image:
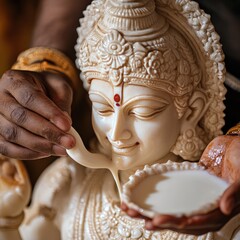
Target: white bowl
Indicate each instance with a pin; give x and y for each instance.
(179, 189)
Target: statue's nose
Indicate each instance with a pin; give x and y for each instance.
(119, 130)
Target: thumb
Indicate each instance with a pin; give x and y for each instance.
(230, 198)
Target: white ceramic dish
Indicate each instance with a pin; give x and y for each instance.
(173, 188)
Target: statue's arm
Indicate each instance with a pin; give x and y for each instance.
(14, 196)
(51, 193)
(42, 219)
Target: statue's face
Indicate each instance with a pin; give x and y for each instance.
(141, 130)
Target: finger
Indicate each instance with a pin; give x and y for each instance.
(134, 214)
(168, 220)
(197, 232)
(196, 225)
(124, 206)
(60, 92)
(150, 226)
(32, 96)
(214, 220)
(20, 136)
(14, 151)
(230, 198)
(34, 123)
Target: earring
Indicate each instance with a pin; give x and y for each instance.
(188, 146)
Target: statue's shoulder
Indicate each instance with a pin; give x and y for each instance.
(53, 184)
(50, 194)
(55, 179)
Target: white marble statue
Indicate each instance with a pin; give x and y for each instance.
(154, 72)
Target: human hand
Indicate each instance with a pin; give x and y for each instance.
(34, 115)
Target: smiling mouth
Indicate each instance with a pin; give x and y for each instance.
(123, 149)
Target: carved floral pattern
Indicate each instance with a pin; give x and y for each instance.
(136, 60)
(115, 226)
(115, 59)
(114, 50)
(188, 146)
(153, 62)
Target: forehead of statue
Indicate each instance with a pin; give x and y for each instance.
(124, 93)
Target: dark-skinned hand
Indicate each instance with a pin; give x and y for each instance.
(34, 114)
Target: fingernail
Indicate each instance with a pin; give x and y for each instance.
(67, 141)
(59, 151)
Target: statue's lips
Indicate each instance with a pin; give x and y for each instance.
(123, 149)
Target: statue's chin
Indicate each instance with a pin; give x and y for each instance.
(123, 162)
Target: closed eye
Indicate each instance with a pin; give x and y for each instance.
(100, 104)
(144, 113)
(102, 109)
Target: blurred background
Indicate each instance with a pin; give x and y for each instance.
(16, 23)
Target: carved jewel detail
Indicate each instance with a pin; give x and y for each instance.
(113, 224)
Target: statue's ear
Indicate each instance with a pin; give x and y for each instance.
(197, 107)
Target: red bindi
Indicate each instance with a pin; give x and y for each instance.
(117, 98)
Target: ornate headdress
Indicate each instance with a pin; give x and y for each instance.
(163, 44)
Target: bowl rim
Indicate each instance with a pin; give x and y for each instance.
(160, 168)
